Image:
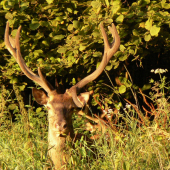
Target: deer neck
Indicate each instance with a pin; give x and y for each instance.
(57, 146)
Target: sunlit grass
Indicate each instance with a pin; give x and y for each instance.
(136, 143)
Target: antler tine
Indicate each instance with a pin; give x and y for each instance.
(17, 55)
(108, 53)
(7, 42)
(11, 45)
(115, 45)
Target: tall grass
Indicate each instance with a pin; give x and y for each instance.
(23, 141)
(137, 142)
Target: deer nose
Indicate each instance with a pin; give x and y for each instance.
(65, 126)
(61, 126)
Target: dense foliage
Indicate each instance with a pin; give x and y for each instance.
(63, 39)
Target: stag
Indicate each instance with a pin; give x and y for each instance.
(60, 106)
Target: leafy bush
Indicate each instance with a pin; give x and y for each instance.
(63, 38)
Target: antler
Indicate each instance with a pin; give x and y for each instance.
(13, 47)
(108, 53)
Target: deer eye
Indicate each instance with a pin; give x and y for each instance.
(71, 110)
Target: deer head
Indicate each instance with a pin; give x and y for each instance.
(60, 106)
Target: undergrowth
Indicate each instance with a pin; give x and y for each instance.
(139, 141)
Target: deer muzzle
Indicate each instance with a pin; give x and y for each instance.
(60, 127)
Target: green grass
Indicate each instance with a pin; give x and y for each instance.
(18, 150)
(135, 143)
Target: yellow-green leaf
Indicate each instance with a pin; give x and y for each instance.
(122, 89)
(122, 48)
(148, 24)
(147, 37)
(12, 106)
(49, 1)
(34, 24)
(82, 47)
(38, 109)
(155, 30)
(120, 19)
(123, 58)
(108, 67)
(75, 24)
(73, 81)
(95, 4)
(135, 32)
(8, 15)
(58, 37)
(62, 50)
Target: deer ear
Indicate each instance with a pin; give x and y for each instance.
(84, 97)
(40, 96)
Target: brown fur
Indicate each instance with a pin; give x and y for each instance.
(60, 109)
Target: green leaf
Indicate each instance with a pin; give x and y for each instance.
(142, 25)
(146, 87)
(70, 27)
(96, 4)
(34, 24)
(9, 16)
(115, 7)
(71, 58)
(38, 109)
(123, 58)
(5, 5)
(122, 48)
(62, 50)
(97, 54)
(83, 152)
(107, 3)
(165, 5)
(116, 65)
(39, 35)
(148, 24)
(8, 4)
(14, 80)
(69, 10)
(44, 23)
(40, 60)
(96, 33)
(76, 24)
(135, 32)
(49, 1)
(122, 89)
(155, 30)
(73, 81)
(45, 42)
(24, 5)
(147, 37)
(120, 19)
(58, 37)
(131, 52)
(82, 47)
(14, 32)
(108, 67)
(38, 52)
(128, 83)
(97, 65)
(12, 106)
(22, 88)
